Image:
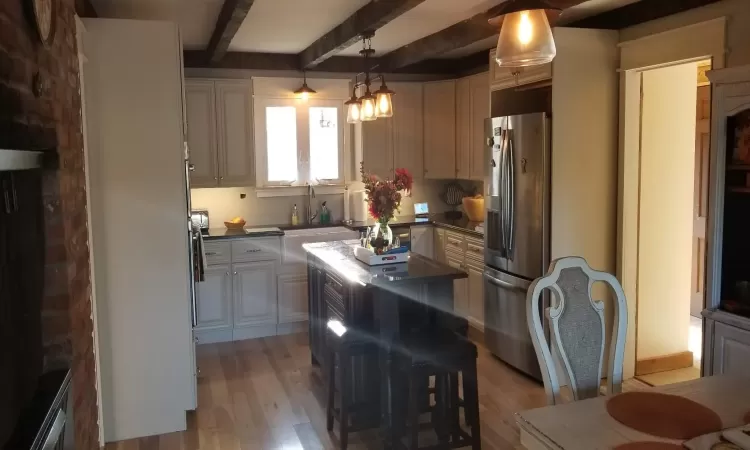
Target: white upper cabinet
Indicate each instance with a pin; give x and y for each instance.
(440, 129)
(235, 132)
(220, 132)
(408, 126)
(472, 108)
(201, 132)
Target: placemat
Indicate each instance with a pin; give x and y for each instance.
(663, 415)
(649, 446)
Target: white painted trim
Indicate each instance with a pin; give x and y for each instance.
(296, 191)
(536, 329)
(704, 40)
(82, 60)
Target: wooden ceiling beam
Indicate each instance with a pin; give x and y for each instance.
(637, 13)
(370, 17)
(232, 14)
(455, 36)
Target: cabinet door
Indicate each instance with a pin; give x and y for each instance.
(293, 300)
(440, 129)
(480, 110)
(463, 128)
(377, 147)
(255, 293)
(731, 350)
(422, 241)
(235, 132)
(408, 130)
(460, 288)
(503, 78)
(201, 132)
(439, 245)
(213, 298)
(476, 296)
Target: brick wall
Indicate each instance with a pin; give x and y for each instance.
(54, 121)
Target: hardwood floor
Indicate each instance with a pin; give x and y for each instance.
(264, 394)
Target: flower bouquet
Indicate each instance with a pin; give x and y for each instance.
(384, 199)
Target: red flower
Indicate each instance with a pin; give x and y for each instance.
(384, 196)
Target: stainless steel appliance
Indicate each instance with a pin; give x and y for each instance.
(200, 219)
(517, 199)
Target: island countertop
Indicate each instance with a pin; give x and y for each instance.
(339, 256)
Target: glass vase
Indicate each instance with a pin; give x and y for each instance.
(381, 237)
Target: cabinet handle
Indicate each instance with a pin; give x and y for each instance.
(254, 250)
(210, 253)
(216, 178)
(228, 273)
(235, 272)
(221, 178)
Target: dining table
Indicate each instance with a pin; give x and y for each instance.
(587, 424)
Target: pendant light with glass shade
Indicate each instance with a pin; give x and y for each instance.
(304, 92)
(383, 100)
(369, 106)
(525, 35)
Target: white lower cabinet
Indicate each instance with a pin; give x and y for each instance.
(292, 294)
(460, 287)
(213, 298)
(254, 293)
(243, 295)
(476, 295)
(731, 350)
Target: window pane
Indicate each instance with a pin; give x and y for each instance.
(281, 140)
(324, 143)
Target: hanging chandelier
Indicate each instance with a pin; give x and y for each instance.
(525, 35)
(369, 106)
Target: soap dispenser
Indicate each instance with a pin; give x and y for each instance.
(325, 214)
(295, 216)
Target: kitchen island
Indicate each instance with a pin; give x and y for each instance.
(384, 301)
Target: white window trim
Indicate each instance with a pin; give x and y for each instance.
(266, 188)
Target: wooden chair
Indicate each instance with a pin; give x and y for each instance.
(577, 329)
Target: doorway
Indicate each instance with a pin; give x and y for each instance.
(671, 246)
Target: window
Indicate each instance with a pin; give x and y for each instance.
(298, 143)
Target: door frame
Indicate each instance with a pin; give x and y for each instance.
(692, 43)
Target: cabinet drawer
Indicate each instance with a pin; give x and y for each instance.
(335, 285)
(454, 242)
(217, 253)
(474, 249)
(257, 249)
(334, 302)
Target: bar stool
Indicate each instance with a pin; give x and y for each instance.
(345, 344)
(444, 355)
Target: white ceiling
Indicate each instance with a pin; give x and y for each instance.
(196, 18)
(423, 20)
(289, 26)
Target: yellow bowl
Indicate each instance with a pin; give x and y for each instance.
(474, 208)
(235, 225)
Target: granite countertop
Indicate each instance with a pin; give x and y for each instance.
(463, 224)
(339, 256)
(224, 233)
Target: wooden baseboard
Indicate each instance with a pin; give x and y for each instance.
(664, 363)
(476, 335)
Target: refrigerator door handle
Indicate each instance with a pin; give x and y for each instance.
(511, 196)
(501, 283)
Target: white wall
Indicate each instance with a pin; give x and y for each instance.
(225, 203)
(666, 210)
(737, 13)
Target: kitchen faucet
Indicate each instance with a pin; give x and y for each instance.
(308, 209)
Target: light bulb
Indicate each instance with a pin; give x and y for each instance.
(383, 104)
(368, 109)
(525, 29)
(304, 96)
(355, 112)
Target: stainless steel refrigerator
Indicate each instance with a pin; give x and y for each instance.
(517, 190)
